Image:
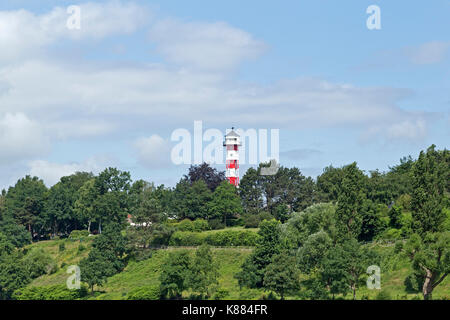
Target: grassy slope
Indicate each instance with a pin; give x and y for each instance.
(147, 272)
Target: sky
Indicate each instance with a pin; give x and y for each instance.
(115, 90)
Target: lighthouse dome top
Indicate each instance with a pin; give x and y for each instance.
(232, 138)
(232, 133)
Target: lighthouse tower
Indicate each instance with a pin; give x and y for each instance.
(232, 142)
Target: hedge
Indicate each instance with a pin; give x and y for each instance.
(225, 238)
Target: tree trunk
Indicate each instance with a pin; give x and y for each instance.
(89, 226)
(427, 289)
(100, 226)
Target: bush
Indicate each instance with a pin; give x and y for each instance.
(216, 224)
(185, 225)
(81, 248)
(383, 295)
(225, 238)
(78, 234)
(221, 294)
(251, 221)
(200, 225)
(38, 262)
(392, 234)
(62, 247)
(186, 238)
(144, 293)
(413, 282)
(52, 292)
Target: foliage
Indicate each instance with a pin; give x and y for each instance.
(51, 292)
(202, 276)
(144, 293)
(173, 276)
(282, 275)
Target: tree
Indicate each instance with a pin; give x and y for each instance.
(25, 202)
(430, 259)
(282, 275)
(147, 216)
(105, 258)
(60, 202)
(173, 275)
(225, 202)
(191, 201)
(13, 275)
(84, 204)
(269, 244)
(344, 265)
(96, 268)
(205, 172)
(250, 192)
(203, 274)
(329, 184)
(350, 200)
(113, 202)
(430, 176)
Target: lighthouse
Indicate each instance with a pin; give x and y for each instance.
(232, 142)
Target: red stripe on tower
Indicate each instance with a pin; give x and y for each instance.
(232, 142)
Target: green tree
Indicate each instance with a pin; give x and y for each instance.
(250, 192)
(350, 200)
(60, 203)
(430, 176)
(430, 258)
(282, 275)
(203, 274)
(84, 204)
(269, 244)
(106, 257)
(225, 202)
(13, 275)
(173, 275)
(25, 202)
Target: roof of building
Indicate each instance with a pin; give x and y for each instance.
(232, 133)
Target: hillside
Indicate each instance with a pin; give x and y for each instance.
(146, 273)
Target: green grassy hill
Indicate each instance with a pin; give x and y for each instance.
(146, 273)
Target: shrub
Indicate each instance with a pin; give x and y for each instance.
(392, 234)
(225, 238)
(221, 294)
(144, 293)
(185, 225)
(200, 225)
(383, 295)
(216, 224)
(81, 248)
(38, 262)
(52, 292)
(62, 247)
(78, 234)
(251, 221)
(186, 238)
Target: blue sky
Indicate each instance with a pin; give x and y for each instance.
(113, 92)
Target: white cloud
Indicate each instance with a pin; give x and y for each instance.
(24, 34)
(21, 138)
(211, 46)
(153, 151)
(428, 53)
(181, 95)
(52, 172)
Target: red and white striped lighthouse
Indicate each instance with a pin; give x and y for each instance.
(232, 142)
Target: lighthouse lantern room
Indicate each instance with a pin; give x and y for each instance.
(232, 142)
